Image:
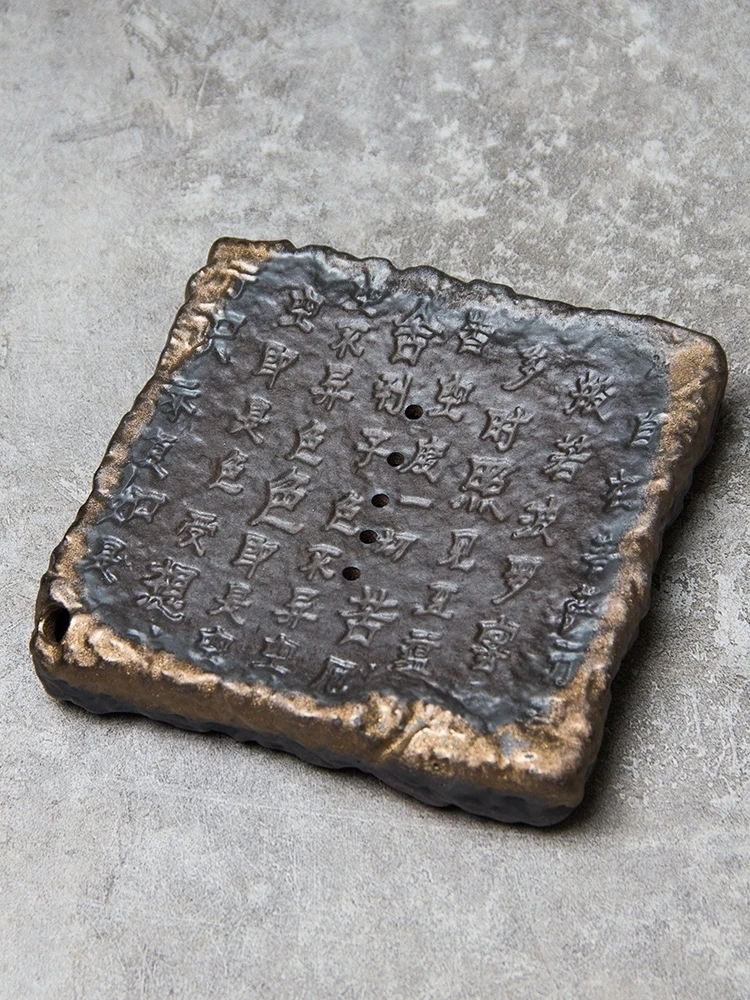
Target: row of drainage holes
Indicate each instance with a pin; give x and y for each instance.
(367, 537)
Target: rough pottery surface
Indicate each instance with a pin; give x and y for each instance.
(385, 519)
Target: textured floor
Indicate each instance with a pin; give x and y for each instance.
(595, 152)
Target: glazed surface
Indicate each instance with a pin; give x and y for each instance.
(483, 560)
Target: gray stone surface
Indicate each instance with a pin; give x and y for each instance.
(594, 152)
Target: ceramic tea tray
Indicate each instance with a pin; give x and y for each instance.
(383, 519)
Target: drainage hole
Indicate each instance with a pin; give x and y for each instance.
(413, 412)
(56, 622)
(350, 573)
(380, 500)
(396, 458)
(368, 536)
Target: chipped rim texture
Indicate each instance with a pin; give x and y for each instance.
(532, 771)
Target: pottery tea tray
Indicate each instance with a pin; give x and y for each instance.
(383, 519)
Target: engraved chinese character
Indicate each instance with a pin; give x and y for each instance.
(374, 439)
(582, 603)
(309, 439)
(284, 493)
(564, 657)
(533, 362)
(254, 414)
(224, 329)
(157, 445)
(602, 552)
(440, 594)
(166, 586)
(490, 647)
(134, 502)
(519, 571)
(414, 652)
(452, 395)
(345, 510)
(390, 391)
(411, 335)
(475, 332)
(589, 394)
(304, 305)
(333, 386)
(236, 597)
(350, 332)
(197, 525)
(373, 611)
(486, 481)
(213, 644)
(394, 545)
(299, 607)
(319, 561)
(336, 676)
(645, 425)
(112, 554)
(537, 517)
(571, 453)
(368, 294)
(228, 471)
(620, 491)
(408, 500)
(503, 428)
(463, 541)
(256, 549)
(279, 652)
(181, 396)
(242, 282)
(427, 454)
(277, 357)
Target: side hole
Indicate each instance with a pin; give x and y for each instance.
(380, 500)
(350, 573)
(56, 623)
(413, 412)
(368, 536)
(396, 458)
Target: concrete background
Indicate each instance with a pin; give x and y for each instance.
(595, 152)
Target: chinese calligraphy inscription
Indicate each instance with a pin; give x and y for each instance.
(474, 477)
